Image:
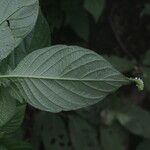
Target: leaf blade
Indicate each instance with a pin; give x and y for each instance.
(7, 107)
(95, 7)
(83, 135)
(84, 76)
(14, 123)
(17, 18)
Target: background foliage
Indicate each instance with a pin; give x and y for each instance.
(118, 30)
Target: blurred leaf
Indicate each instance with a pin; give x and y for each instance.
(3, 66)
(14, 122)
(38, 125)
(77, 18)
(146, 10)
(7, 106)
(90, 113)
(146, 70)
(83, 135)
(107, 117)
(55, 134)
(121, 64)
(2, 147)
(11, 144)
(113, 138)
(14, 91)
(79, 22)
(145, 145)
(134, 118)
(53, 12)
(95, 7)
(146, 59)
(41, 35)
(146, 74)
(52, 130)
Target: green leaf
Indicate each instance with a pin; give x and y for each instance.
(76, 17)
(65, 78)
(82, 28)
(3, 66)
(50, 129)
(113, 138)
(38, 38)
(14, 92)
(2, 147)
(41, 35)
(146, 10)
(14, 122)
(146, 70)
(54, 134)
(121, 64)
(17, 18)
(134, 118)
(83, 135)
(12, 144)
(146, 74)
(145, 145)
(7, 106)
(54, 18)
(91, 114)
(146, 60)
(95, 7)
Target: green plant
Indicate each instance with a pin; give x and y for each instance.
(53, 79)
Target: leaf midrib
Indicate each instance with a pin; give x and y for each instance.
(59, 78)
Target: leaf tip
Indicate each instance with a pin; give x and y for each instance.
(139, 83)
